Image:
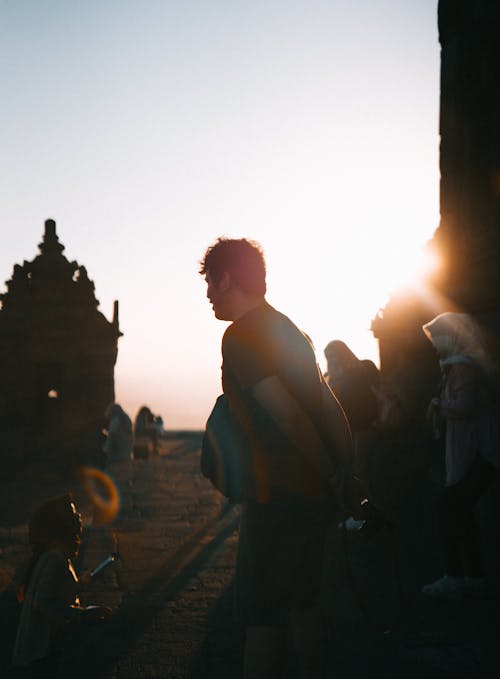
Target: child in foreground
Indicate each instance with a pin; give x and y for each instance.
(50, 588)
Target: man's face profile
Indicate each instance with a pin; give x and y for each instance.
(218, 296)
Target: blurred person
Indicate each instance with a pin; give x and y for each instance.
(118, 444)
(118, 452)
(145, 433)
(468, 410)
(354, 381)
(159, 425)
(49, 592)
(351, 380)
(274, 388)
(144, 420)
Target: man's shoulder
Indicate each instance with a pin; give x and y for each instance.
(264, 324)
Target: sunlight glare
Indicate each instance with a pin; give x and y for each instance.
(412, 271)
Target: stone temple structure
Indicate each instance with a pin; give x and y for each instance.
(468, 237)
(57, 357)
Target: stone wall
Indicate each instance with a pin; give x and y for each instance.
(468, 237)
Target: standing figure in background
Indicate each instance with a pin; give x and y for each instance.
(158, 426)
(144, 420)
(145, 434)
(118, 453)
(353, 383)
(472, 456)
(118, 444)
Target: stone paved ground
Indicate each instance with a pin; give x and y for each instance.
(172, 588)
(176, 538)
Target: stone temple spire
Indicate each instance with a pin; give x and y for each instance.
(54, 340)
(50, 243)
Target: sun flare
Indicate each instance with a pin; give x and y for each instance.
(414, 270)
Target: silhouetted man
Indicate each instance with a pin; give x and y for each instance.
(273, 385)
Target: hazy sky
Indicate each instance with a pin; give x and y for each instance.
(147, 128)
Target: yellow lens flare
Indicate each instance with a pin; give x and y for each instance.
(102, 492)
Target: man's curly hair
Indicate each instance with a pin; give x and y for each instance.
(241, 258)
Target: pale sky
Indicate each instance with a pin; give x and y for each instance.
(148, 128)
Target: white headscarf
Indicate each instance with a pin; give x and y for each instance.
(459, 339)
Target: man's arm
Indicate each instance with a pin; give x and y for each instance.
(290, 417)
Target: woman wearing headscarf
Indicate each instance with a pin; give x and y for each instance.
(467, 406)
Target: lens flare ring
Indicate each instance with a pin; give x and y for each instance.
(102, 492)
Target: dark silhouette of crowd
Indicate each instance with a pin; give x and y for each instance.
(309, 450)
(278, 403)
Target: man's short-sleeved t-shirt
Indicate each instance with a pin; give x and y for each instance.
(265, 343)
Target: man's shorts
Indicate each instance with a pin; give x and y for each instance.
(279, 563)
